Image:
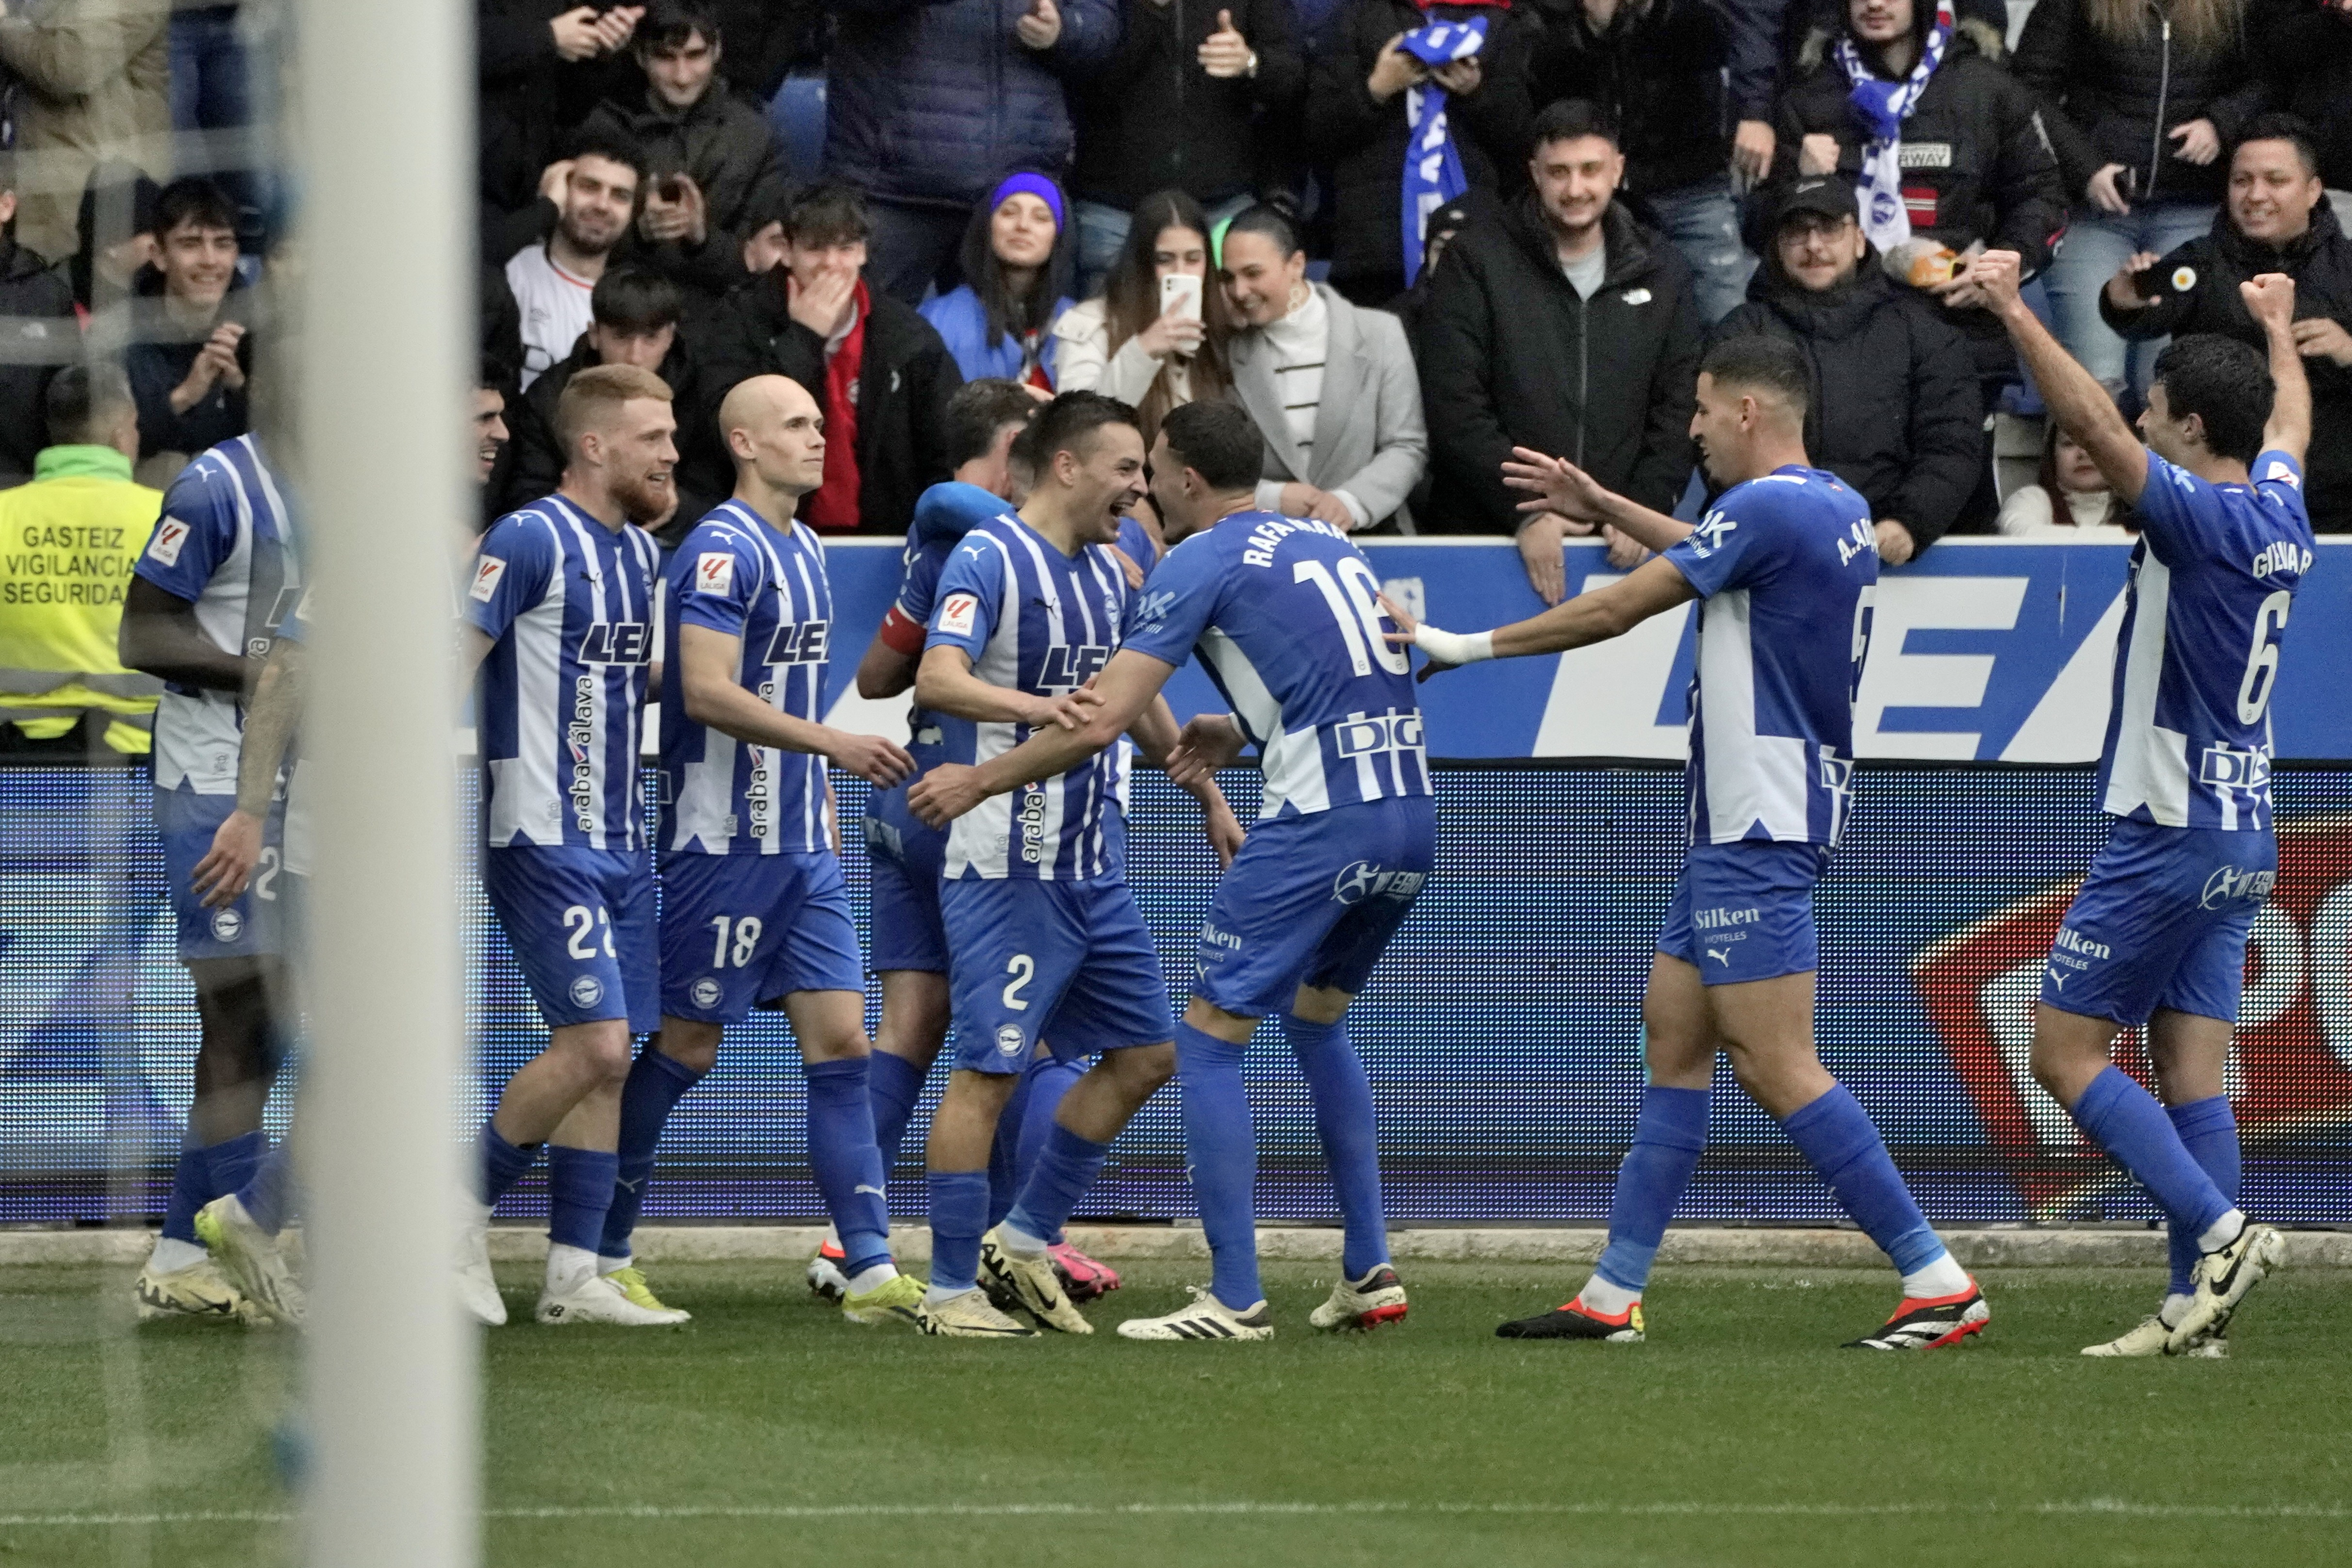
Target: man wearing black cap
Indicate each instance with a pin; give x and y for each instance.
(1895, 410)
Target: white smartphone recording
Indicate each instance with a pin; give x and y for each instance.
(1180, 295)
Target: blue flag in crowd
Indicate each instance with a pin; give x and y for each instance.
(1433, 164)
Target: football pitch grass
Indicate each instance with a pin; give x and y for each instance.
(769, 1431)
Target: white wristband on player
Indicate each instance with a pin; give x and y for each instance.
(1454, 647)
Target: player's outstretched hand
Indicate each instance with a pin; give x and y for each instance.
(947, 792)
(881, 763)
(1070, 710)
(1407, 634)
(2269, 299)
(222, 875)
(1996, 273)
(1210, 742)
(1554, 485)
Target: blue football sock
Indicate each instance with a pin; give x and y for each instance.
(958, 1218)
(2124, 1120)
(231, 1163)
(266, 1195)
(1651, 1182)
(1838, 1140)
(2210, 1132)
(655, 1085)
(1048, 1081)
(894, 1084)
(579, 1191)
(1221, 1150)
(192, 1188)
(503, 1164)
(1343, 1120)
(1004, 1151)
(847, 1165)
(1065, 1169)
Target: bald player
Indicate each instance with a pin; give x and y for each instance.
(754, 910)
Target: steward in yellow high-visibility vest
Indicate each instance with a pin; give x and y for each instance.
(68, 542)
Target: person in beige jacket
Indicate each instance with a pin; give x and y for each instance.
(96, 75)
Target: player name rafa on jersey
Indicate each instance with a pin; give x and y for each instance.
(1268, 535)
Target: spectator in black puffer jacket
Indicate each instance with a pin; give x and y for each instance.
(1566, 327)
(542, 65)
(1179, 107)
(2303, 50)
(2277, 220)
(2142, 98)
(1894, 411)
(929, 101)
(39, 333)
(711, 158)
(1676, 75)
(1975, 168)
(1356, 123)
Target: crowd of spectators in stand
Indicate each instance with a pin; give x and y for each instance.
(1406, 235)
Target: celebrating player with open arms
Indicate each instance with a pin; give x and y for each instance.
(1044, 941)
(560, 618)
(754, 908)
(1284, 615)
(1786, 567)
(2157, 934)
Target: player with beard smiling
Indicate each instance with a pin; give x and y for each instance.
(595, 193)
(562, 619)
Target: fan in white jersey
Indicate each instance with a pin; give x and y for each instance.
(595, 198)
(241, 1228)
(1786, 567)
(560, 619)
(2158, 934)
(216, 579)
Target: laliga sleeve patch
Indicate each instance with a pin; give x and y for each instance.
(957, 614)
(714, 572)
(303, 608)
(486, 573)
(170, 535)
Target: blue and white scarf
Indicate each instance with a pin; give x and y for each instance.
(1432, 163)
(1880, 108)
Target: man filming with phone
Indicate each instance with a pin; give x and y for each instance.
(2276, 219)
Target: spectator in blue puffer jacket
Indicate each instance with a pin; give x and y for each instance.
(1018, 255)
(927, 105)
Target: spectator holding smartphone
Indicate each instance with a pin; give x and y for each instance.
(1150, 338)
(2277, 219)
(2139, 103)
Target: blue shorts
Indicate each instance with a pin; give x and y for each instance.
(907, 858)
(1070, 963)
(745, 931)
(1313, 900)
(580, 923)
(1745, 912)
(251, 927)
(2161, 923)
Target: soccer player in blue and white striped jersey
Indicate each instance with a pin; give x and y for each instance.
(1044, 940)
(1786, 567)
(217, 576)
(561, 614)
(1282, 611)
(2158, 934)
(755, 912)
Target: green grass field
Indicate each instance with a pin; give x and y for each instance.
(771, 1432)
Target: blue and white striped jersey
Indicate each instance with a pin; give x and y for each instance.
(225, 543)
(1285, 613)
(568, 605)
(1032, 619)
(1787, 565)
(2189, 733)
(737, 574)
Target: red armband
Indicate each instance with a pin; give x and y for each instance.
(902, 634)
